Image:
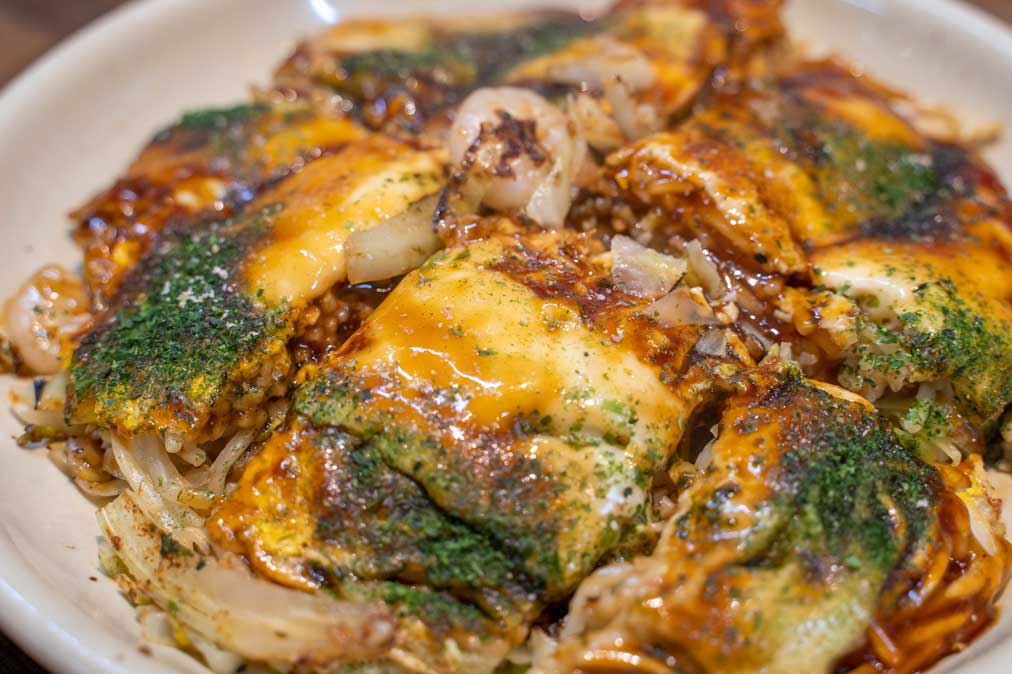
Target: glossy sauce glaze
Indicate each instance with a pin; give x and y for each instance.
(801, 181)
(634, 343)
(530, 400)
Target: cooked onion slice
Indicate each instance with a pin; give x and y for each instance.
(595, 124)
(683, 306)
(155, 484)
(984, 525)
(643, 271)
(43, 407)
(106, 489)
(713, 343)
(236, 611)
(393, 247)
(606, 60)
(704, 271)
(636, 120)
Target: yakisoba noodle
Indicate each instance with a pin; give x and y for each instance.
(637, 343)
(946, 608)
(699, 602)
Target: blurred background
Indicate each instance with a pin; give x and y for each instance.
(29, 27)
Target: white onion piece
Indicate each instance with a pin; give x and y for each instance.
(643, 271)
(218, 659)
(636, 120)
(727, 311)
(155, 461)
(108, 562)
(106, 489)
(618, 70)
(980, 527)
(984, 526)
(38, 417)
(153, 458)
(705, 271)
(156, 628)
(43, 409)
(58, 455)
(237, 612)
(608, 61)
(713, 343)
(170, 516)
(682, 306)
(109, 464)
(395, 246)
(54, 393)
(594, 123)
(808, 361)
(705, 456)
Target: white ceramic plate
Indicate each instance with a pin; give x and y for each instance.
(71, 123)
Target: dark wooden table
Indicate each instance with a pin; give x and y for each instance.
(30, 27)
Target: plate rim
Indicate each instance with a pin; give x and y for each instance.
(69, 642)
(66, 644)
